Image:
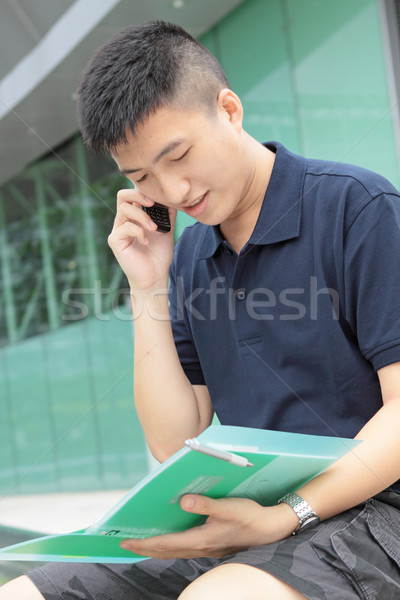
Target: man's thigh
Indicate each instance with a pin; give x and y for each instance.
(236, 581)
(229, 581)
(21, 588)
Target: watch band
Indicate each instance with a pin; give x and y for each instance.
(307, 517)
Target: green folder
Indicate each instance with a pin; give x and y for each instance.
(282, 462)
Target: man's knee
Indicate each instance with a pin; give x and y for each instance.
(21, 588)
(239, 582)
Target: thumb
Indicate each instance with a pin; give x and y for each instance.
(201, 505)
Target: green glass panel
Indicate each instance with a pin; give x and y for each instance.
(254, 54)
(121, 443)
(28, 401)
(182, 221)
(341, 83)
(67, 407)
(8, 461)
(71, 381)
(312, 23)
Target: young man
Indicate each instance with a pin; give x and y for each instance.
(283, 313)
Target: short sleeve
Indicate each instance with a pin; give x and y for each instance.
(181, 331)
(372, 279)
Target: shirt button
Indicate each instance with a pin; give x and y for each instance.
(241, 295)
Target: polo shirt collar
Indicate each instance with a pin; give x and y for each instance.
(280, 214)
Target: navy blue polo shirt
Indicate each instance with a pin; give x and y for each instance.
(288, 334)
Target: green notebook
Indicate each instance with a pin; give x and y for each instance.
(282, 462)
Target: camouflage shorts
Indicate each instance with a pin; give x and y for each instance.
(354, 555)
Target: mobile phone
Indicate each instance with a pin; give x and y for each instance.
(159, 214)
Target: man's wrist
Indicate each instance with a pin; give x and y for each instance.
(307, 518)
(159, 286)
(285, 519)
(153, 302)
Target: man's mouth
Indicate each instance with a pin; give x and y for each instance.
(197, 207)
(196, 202)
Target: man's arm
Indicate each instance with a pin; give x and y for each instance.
(169, 407)
(235, 524)
(372, 466)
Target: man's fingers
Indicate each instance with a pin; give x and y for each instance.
(121, 237)
(222, 509)
(201, 505)
(133, 212)
(172, 544)
(132, 195)
(130, 205)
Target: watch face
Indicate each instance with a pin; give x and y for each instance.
(308, 524)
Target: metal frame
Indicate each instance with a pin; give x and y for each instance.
(8, 291)
(390, 20)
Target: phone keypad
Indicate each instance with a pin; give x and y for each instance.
(160, 216)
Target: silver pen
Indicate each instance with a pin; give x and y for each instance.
(235, 459)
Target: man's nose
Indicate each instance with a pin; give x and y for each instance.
(175, 189)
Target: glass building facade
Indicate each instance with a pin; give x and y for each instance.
(313, 74)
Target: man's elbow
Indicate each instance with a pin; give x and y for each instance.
(163, 451)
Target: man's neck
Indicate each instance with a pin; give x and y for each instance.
(237, 231)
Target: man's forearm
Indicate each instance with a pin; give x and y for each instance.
(165, 400)
(365, 471)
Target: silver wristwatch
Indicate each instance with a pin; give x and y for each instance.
(307, 517)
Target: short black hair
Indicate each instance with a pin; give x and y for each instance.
(137, 71)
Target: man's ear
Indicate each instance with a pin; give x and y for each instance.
(229, 105)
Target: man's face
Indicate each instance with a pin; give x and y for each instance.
(189, 160)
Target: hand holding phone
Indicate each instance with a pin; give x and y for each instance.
(159, 214)
(144, 256)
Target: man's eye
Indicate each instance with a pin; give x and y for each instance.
(183, 156)
(143, 178)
